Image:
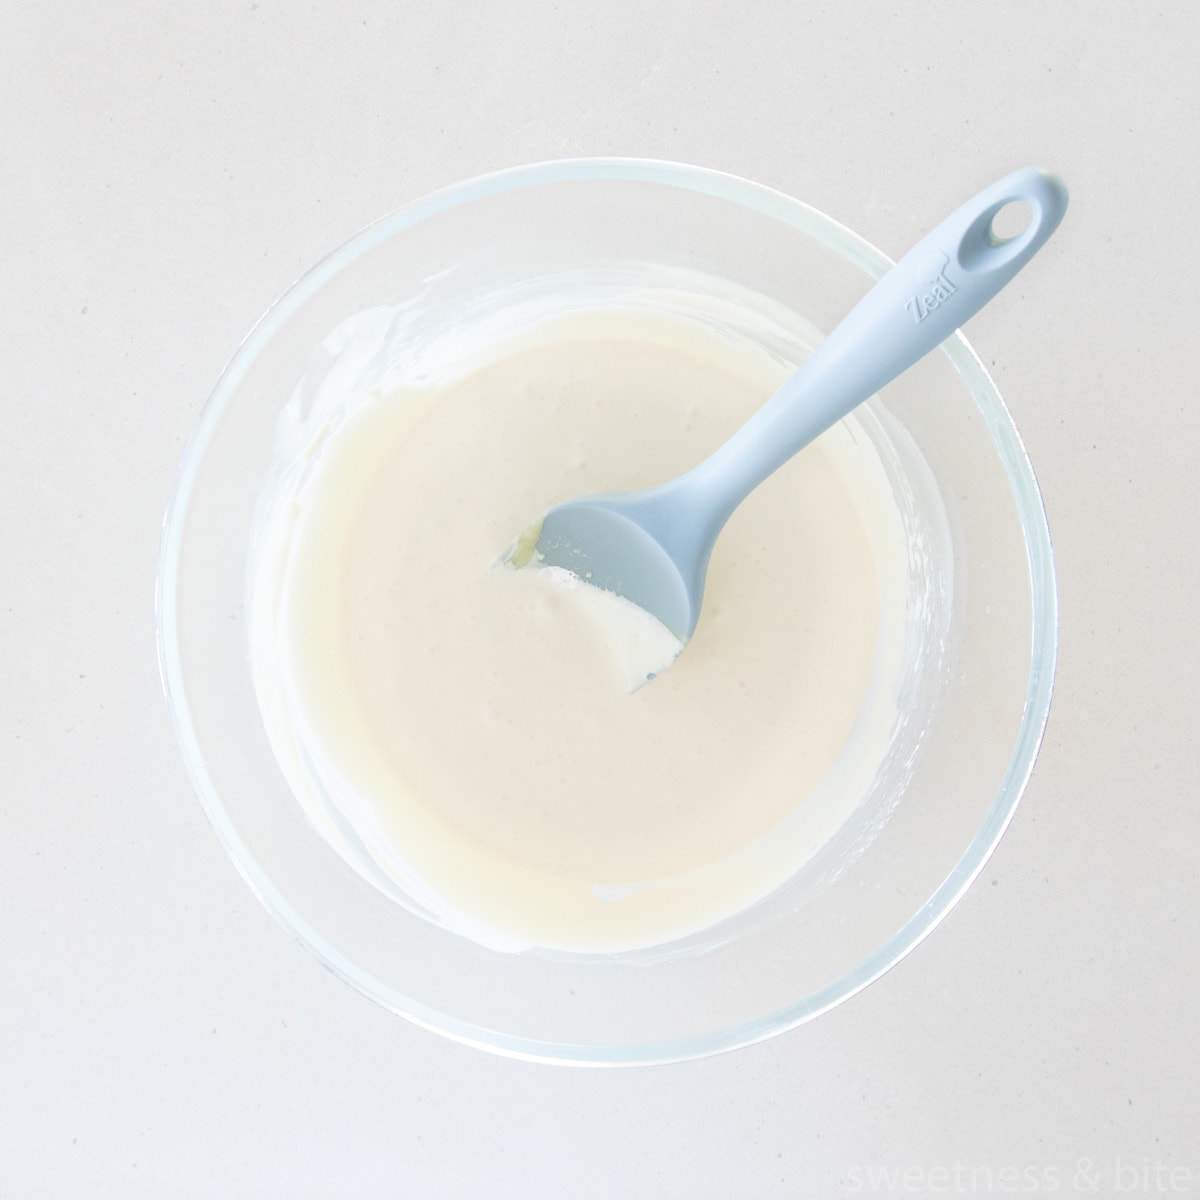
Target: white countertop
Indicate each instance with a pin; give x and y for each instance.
(166, 170)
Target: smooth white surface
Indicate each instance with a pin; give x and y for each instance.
(165, 172)
(473, 724)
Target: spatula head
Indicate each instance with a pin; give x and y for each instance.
(599, 541)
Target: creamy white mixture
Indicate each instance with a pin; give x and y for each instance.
(466, 735)
(641, 645)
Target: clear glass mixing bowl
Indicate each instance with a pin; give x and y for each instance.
(898, 865)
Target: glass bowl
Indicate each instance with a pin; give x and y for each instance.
(911, 848)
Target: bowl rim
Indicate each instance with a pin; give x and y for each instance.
(798, 215)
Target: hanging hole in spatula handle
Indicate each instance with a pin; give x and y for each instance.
(988, 245)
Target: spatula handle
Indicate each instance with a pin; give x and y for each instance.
(948, 276)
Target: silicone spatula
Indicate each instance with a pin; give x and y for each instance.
(653, 546)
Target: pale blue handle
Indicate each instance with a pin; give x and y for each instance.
(942, 281)
(652, 547)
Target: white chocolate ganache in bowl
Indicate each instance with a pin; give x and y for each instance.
(471, 738)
